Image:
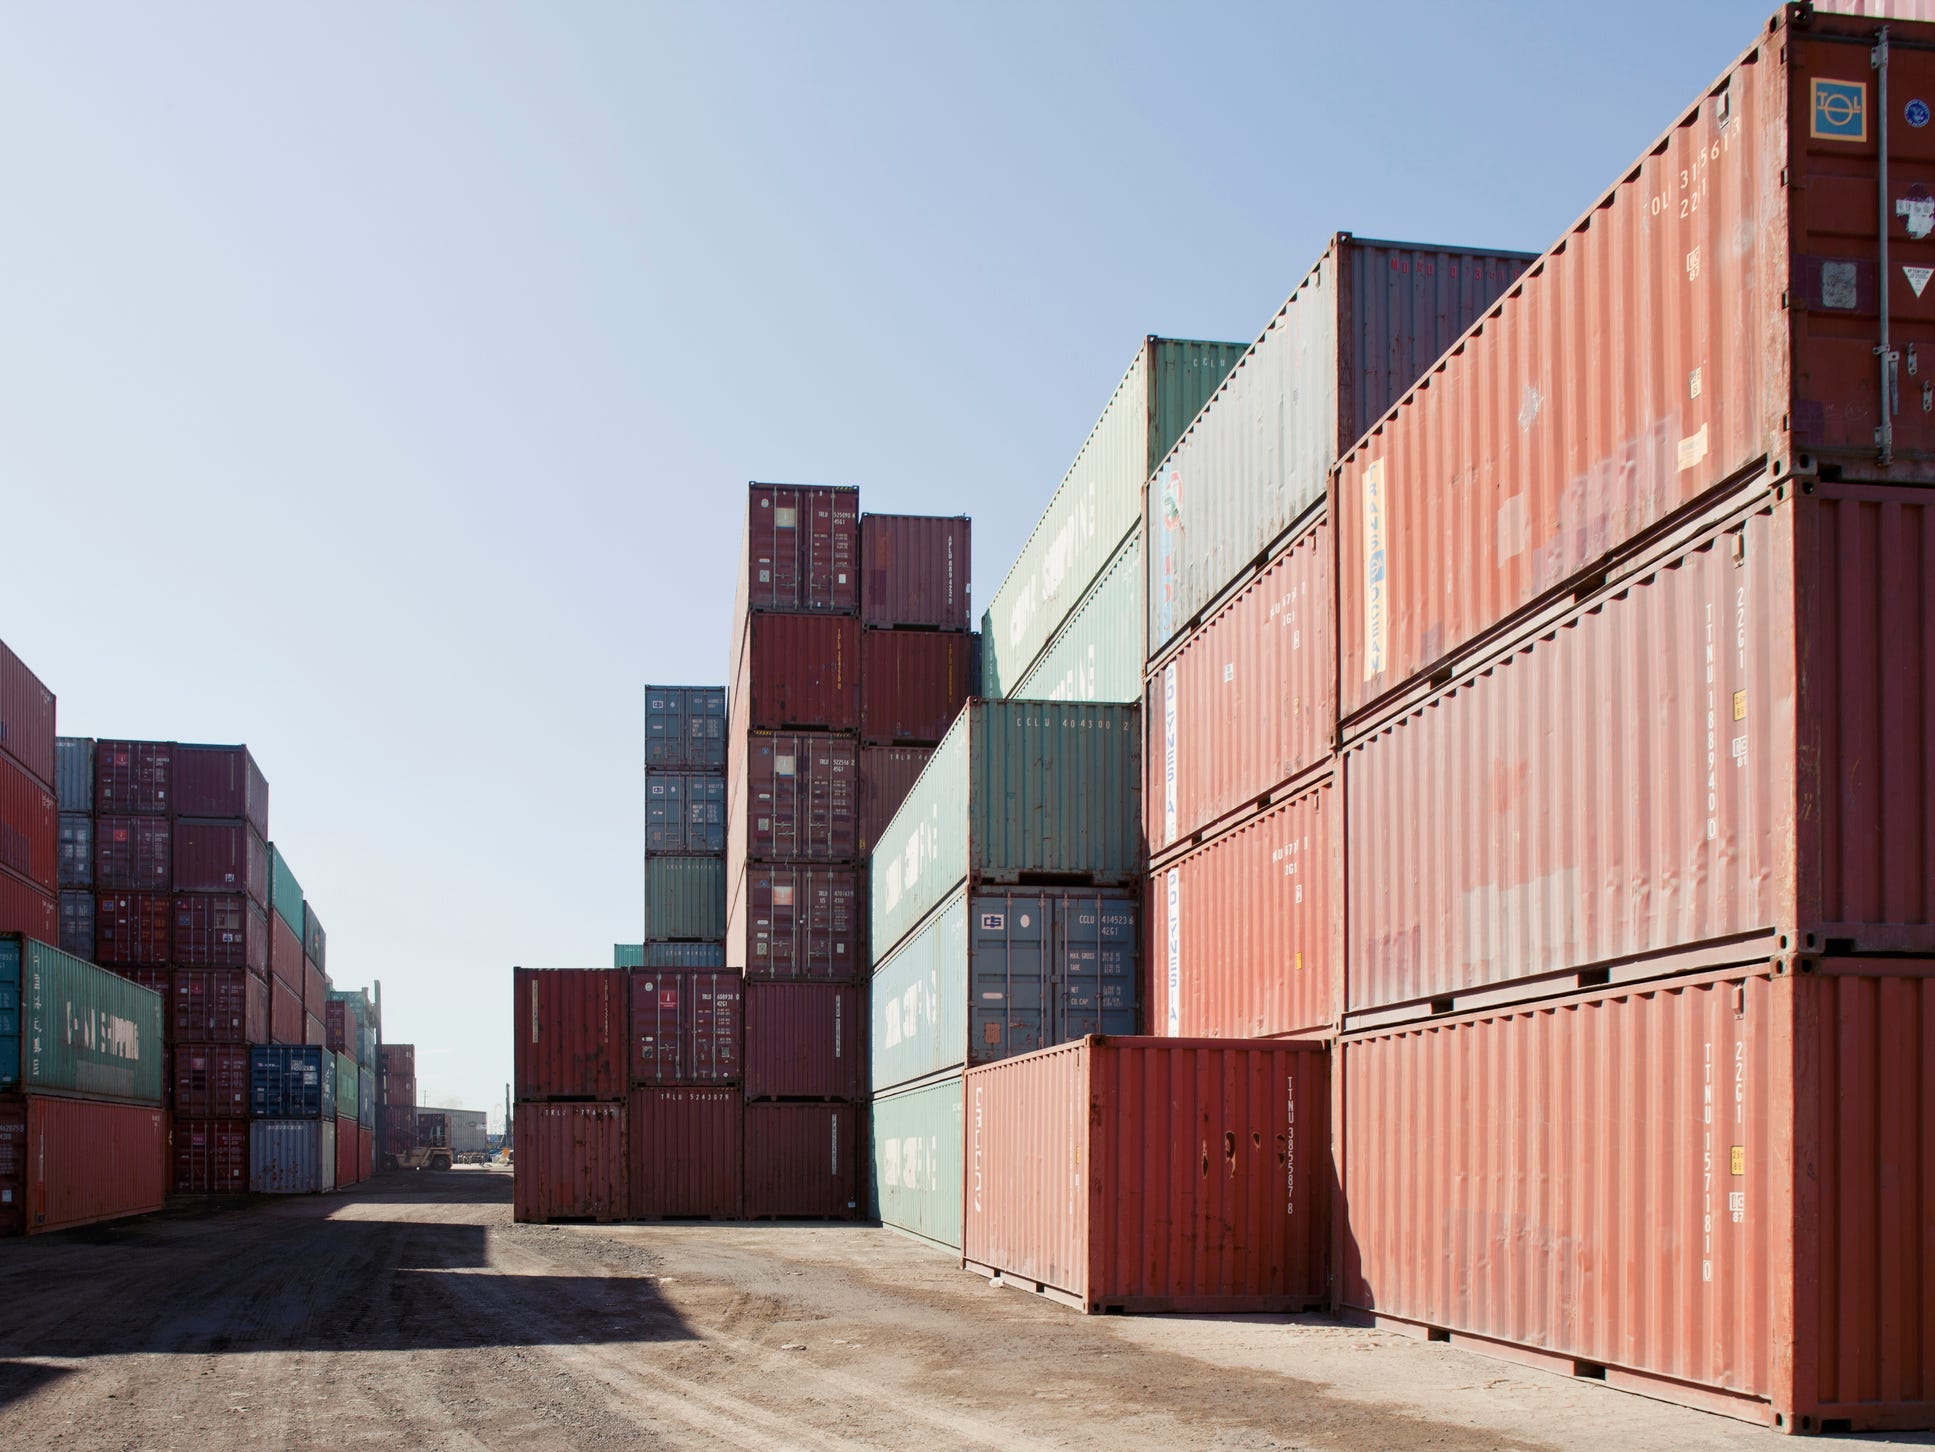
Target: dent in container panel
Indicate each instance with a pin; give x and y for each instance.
(801, 1162)
(685, 726)
(797, 922)
(912, 683)
(29, 827)
(133, 854)
(687, 1153)
(914, 571)
(571, 1162)
(133, 776)
(26, 718)
(220, 781)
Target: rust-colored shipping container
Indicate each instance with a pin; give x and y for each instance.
(570, 1162)
(797, 922)
(222, 854)
(26, 718)
(217, 1006)
(802, 549)
(913, 684)
(285, 953)
(1714, 1190)
(1247, 702)
(914, 570)
(795, 798)
(315, 988)
(68, 1162)
(1714, 316)
(1153, 1174)
(571, 1026)
(29, 827)
(134, 854)
(211, 1081)
(365, 1151)
(1244, 931)
(314, 1030)
(133, 929)
(685, 1025)
(220, 781)
(804, 1041)
(133, 776)
(25, 908)
(399, 1060)
(211, 1156)
(687, 1151)
(220, 930)
(798, 673)
(285, 1014)
(345, 1151)
(802, 1162)
(887, 774)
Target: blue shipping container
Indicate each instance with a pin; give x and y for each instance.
(291, 1081)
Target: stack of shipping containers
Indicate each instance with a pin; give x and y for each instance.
(351, 1031)
(570, 1076)
(396, 1103)
(32, 851)
(292, 1119)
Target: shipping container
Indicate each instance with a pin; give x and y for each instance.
(74, 774)
(348, 1172)
(220, 781)
(1003, 971)
(68, 1027)
(211, 1156)
(399, 1060)
(365, 1152)
(1712, 1190)
(1248, 701)
(132, 929)
(1097, 653)
(315, 989)
(1153, 1174)
(571, 1030)
(674, 955)
(687, 1153)
(628, 955)
(292, 1156)
(133, 777)
(914, 570)
(218, 1006)
(1098, 503)
(351, 1020)
(912, 684)
(1245, 931)
(25, 908)
(685, 898)
(804, 1041)
(134, 854)
(285, 954)
(366, 1098)
(685, 1026)
(26, 718)
(801, 1162)
(347, 1084)
(314, 1030)
(284, 892)
(685, 727)
(795, 798)
(291, 1082)
(798, 673)
(76, 848)
(919, 1144)
(220, 930)
(802, 552)
(29, 827)
(570, 1162)
(798, 922)
(315, 942)
(223, 855)
(1727, 295)
(1017, 788)
(285, 1013)
(685, 812)
(76, 924)
(887, 774)
(67, 1162)
(211, 1081)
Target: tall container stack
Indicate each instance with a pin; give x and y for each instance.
(32, 845)
(351, 1032)
(397, 1102)
(571, 1073)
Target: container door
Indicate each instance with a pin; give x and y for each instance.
(10, 1013)
(1009, 975)
(1095, 967)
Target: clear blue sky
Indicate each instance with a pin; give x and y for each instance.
(378, 385)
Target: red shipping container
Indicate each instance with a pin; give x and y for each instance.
(314, 1031)
(795, 798)
(797, 922)
(914, 570)
(285, 953)
(220, 781)
(211, 1156)
(315, 988)
(133, 929)
(220, 930)
(29, 827)
(798, 673)
(1722, 299)
(215, 854)
(685, 1025)
(346, 1166)
(802, 550)
(24, 908)
(913, 684)
(26, 718)
(570, 1162)
(285, 1014)
(133, 776)
(157, 980)
(218, 1006)
(211, 1081)
(399, 1060)
(571, 1026)
(133, 854)
(887, 774)
(1244, 931)
(686, 1153)
(68, 1162)
(802, 1162)
(1140, 1174)
(365, 1152)
(1249, 701)
(804, 1041)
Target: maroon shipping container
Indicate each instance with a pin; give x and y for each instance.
(399, 1060)
(804, 1041)
(795, 798)
(685, 1025)
(570, 1162)
(133, 854)
(1247, 702)
(24, 908)
(797, 922)
(687, 1148)
(285, 1014)
(802, 550)
(315, 987)
(285, 953)
(345, 1151)
(133, 929)
(68, 1162)
(887, 774)
(156, 980)
(1140, 1174)
(798, 673)
(29, 827)
(220, 781)
(211, 1156)
(802, 1162)
(912, 684)
(218, 1006)
(365, 1152)
(133, 776)
(220, 930)
(26, 718)
(221, 855)
(314, 1031)
(211, 1081)
(914, 570)
(571, 1026)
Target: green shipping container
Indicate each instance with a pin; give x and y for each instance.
(1016, 788)
(345, 1087)
(285, 893)
(68, 1027)
(628, 955)
(920, 1006)
(1098, 502)
(685, 897)
(1098, 654)
(919, 1146)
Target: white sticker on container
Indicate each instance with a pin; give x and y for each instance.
(1918, 277)
(785, 517)
(1693, 448)
(1374, 568)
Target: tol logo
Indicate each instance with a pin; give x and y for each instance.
(1840, 111)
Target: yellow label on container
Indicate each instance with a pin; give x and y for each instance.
(1737, 1159)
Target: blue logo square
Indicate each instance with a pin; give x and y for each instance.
(1840, 111)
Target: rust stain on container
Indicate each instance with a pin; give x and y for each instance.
(570, 1162)
(571, 1028)
(686, 1153)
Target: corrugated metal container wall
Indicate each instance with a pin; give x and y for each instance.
(292, 1156)
(366, 1097)
(365, 1152)
(315, 942)
(687, 1153)
(285, 1013)
(346, 1167)
(685, 1026)
(802, 550)
(132, 929)
(1098, 502)
(220, 930)
(918, 1148)
(284, 892)
(26, 718)
(211, 1156)
(1723, 296)
(76, 1028)
(314, 1030)
(685, 897)
(76, 924)
(801, 1162)
(134, 854)
(795, 798)
(285, 954)
(679, 955)
(29, 828)
(1086, 1178)
(571, 1031)
(1247, 702)
(346, 1087)
(1097, 654)
(803, 1041)
(133, 776)
(74, 773)
(798, 922)
(220, 781)
(211, 1081)
(1017, 786)
(1244, 931)
(214, 855)
(1365, 321)
(685, 812)
(912, 684)
(68, 1162)
(1790, 1280)
(219, 1006)
(887, 774)
(77, 850)
(798, 673)
(629, 955)
(914, 570)
(24, 908)
(570, 1162)
(291, 1082)
(315, 990)
(685, 726)
(920, 1002)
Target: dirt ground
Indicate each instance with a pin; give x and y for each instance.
(411, 1313)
